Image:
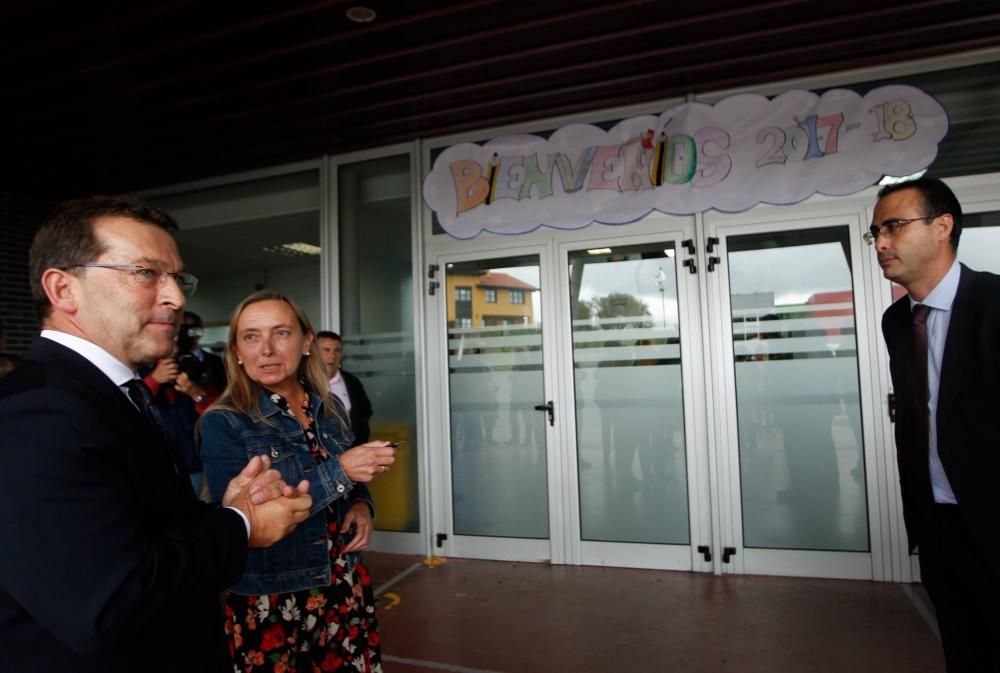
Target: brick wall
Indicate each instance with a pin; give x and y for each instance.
(19, 217)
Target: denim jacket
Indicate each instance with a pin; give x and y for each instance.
(229, 439)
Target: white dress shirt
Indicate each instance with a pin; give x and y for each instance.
(339, 388)
(940, 301)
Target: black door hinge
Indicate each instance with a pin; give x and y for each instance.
(728, 553)
(689, 263)
(712, 261)
(705, 552)
(440, 538)
(432, 270)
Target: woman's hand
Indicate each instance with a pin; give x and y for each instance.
(364, 463)
(360, 517)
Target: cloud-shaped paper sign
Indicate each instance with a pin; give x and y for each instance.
(730, 156)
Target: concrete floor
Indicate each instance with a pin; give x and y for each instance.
(472, 616)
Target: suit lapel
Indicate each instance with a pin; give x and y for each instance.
(146, 446)
(66, 362)
(960, 328)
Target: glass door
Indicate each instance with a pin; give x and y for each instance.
(793, 434)
(633, 358)
(498, 408)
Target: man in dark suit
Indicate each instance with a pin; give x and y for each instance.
(944, 353)
(204, 372)
(109, 562)
(346, 386)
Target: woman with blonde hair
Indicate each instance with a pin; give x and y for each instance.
(306, 603)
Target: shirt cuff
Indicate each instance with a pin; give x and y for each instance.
(246, 521)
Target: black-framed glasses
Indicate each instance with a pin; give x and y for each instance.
(890, 227)
(147, 278)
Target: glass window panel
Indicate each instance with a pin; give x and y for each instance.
(980, 241)
(376, 303)
(499, 476)
(235, 239)
(629, 401)
(798, 405)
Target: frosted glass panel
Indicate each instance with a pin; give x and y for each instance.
(499, 480)
(980, 241)
(629, 402)
(800, 442)
(376, 320)
(233, 237)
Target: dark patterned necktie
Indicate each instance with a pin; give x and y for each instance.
(921, 396)
(142, 397)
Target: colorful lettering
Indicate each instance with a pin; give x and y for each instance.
(572, 178)
(470, 186)
(682, 159)
(534, 176)
(602, 171)
(894, 120)
(712, 167)
(510, 175)
(635, 166)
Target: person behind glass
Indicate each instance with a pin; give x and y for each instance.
(109, 564)
(204, 372)
(947, 425)
(346, 386)
(308, 603)
(184, 385)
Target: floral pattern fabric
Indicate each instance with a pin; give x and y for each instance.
(329, 629)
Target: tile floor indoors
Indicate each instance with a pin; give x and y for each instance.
(469, 616)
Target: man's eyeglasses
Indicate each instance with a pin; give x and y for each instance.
(890, 228)
(147, 278)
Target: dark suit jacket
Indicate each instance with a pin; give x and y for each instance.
(108, 561)
(968, 411)
(361, 408)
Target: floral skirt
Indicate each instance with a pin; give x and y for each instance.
(331, 628)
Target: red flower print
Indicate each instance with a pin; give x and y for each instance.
(363, 574)
(374, 639)
(332, 662)
(274, 636)
(315, 602)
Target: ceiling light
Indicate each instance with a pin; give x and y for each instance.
(669, 252)
(297, 249)
(599, 251)
(360, 14)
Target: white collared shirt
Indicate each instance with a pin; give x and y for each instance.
(940, 300)
(339, 388)
(116, 370)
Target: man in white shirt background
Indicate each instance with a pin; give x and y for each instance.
(345, 385)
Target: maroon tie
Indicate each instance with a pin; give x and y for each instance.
(142, 397)
(921, 396)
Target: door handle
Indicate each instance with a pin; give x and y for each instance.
(549, 407)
